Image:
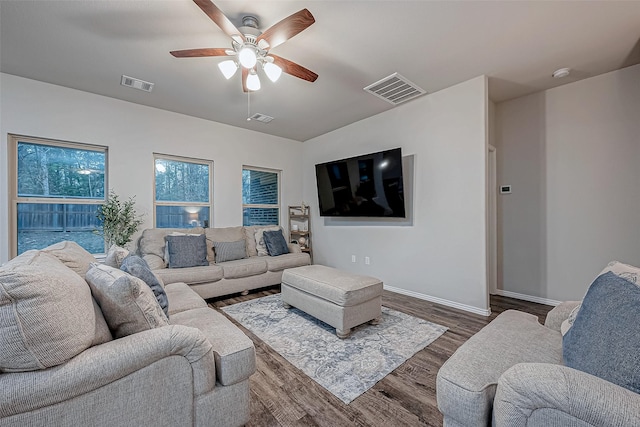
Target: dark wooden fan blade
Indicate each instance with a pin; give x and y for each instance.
(287, 28)
(219, 18)
(245, 74)
(197, 53)
(294, 69)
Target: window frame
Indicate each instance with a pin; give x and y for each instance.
(197, 161)
(263, 205)
(15, 199)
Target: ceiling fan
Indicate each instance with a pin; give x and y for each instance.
(250, 48)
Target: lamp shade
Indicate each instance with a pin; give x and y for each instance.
(272, 71)
(253, 82)
(228, 68)
(248, 57)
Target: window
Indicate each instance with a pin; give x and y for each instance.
(56, 189)
(260, 197)
(182, 196)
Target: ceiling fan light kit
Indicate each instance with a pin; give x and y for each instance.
(250, 47)
(228, 68)
(247, 56)
(253, 82)
(272, 71)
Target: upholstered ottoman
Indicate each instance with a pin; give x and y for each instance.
(340, 299)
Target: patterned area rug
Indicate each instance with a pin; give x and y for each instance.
(349, 367)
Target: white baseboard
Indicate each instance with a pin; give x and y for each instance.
(525, 297)
(437, 300)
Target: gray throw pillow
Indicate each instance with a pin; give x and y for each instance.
(187, 251)
(275, 242)
(605, 338)
(136, 266)
(229, 251)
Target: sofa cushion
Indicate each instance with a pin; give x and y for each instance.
(154, 261)
(261, 247)
(182, 298)
(187, 251)
(191, 275)
(223, 234)
(127, 303)
(115, 256)
(604, 340)
(233, 351)
(137, 267)
(290, 260)
(230, 251)
(466, 382)
(275, 243)
(46, 313)
(72, 255)
(243, 267)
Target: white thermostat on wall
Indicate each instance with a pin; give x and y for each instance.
(505, 189)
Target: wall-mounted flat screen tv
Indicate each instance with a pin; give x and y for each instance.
(364, 186)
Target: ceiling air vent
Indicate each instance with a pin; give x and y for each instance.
(261, 118)
(136, 83)
(395, 89)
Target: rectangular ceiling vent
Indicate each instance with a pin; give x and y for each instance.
(263, 118)
(136, 83)
(395, 89)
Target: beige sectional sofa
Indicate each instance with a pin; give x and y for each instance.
(222, 278)
(60, 363)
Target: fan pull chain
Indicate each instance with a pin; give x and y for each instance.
(248, 105)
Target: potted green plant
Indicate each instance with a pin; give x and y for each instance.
(119, 220)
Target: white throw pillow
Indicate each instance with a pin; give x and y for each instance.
(128, 304)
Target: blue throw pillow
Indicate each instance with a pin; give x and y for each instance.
(605, 337)
(187, 251)
(138, 267)
(275, 243)
(230, 251)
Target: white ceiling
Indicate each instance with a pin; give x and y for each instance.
(88, 45)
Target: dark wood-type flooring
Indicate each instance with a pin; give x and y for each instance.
(281, 395)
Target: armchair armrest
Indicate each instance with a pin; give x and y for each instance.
(559, 314)
(545, 394)
(105, 363)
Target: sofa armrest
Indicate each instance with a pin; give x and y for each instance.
(538, 394)
(105, 363)
(559, 314)
(294, 248)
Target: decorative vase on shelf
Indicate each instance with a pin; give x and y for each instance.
(302, 242)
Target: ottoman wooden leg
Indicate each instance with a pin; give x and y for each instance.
(342, 334)
(375, 321)
(285, 305)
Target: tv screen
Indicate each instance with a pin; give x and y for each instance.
(362, 186)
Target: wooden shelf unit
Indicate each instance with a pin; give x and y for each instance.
(299, 216)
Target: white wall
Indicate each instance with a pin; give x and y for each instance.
(571, 154)
(440, 253)
(133, 132)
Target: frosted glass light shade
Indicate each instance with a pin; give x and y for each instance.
(228, 68)
(248, 57)
(253, 82)
(272, 71)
